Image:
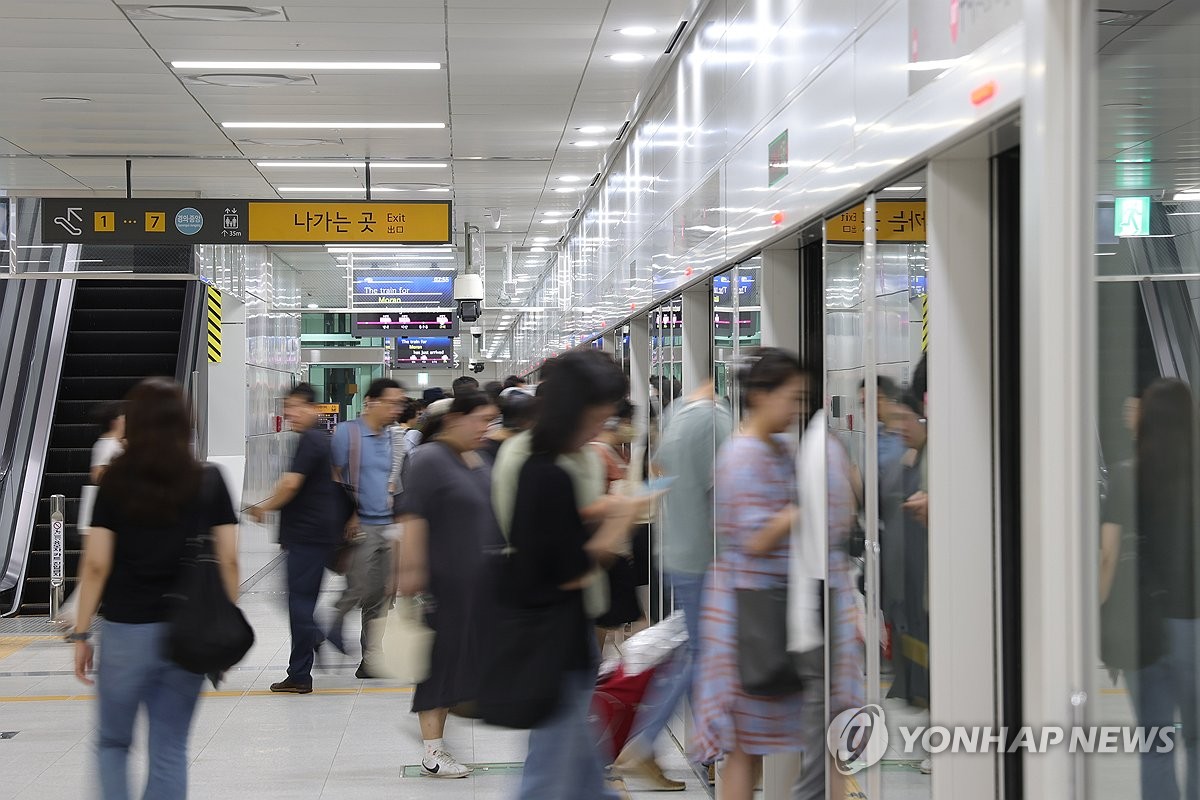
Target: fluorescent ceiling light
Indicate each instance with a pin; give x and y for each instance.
(532, 250)
(586, 143)
(592, 129)
(352, 189)
(315, 66)
(542, 239)
(551, 221)
(338, 125)
(562, 189)
(554, 213)
(386, 249)
(627, 58)
(637, 31)
(313, 305)
(903, 188)
(1183, 213)
(1186, 197)
(356, 164)
(570, 178)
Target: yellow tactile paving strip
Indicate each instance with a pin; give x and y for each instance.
(53, 698)
(14, 644)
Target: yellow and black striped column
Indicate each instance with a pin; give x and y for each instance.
(924, 322)
(214, 325)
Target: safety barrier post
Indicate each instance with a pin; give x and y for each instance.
(58, 504)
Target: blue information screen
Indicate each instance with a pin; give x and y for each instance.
(391, 289)
(722, 284)
(423, 352)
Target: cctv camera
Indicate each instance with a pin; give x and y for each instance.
(493, 216)
(477, 332)
(475, 366)
(468, 296)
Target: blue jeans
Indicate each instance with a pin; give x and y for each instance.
(133, 672)
(564, 757)
(305, 569)
(1158, 692)
(673, 681)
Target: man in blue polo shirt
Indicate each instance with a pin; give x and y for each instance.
(362, 457)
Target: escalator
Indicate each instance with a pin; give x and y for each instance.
(119, 333)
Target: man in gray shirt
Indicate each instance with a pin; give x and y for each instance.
(696, 427)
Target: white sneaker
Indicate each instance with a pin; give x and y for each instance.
(927, 767)
(443, 765)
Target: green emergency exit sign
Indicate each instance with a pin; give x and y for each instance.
(1131, 216)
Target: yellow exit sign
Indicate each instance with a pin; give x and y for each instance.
(414, 222)
(895, 221)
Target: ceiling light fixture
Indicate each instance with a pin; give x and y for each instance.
(627, 58)
(903, 189)
(313, 305)
(66, 100)
(534, 250)
(554, 213)
(339, 125)
(1186, 197)
(355, 164)
(586, 143)
(315, 66)
(542, 239)
(592, 129)
(331, 248)
(342, 189)
(570, 178)
(563, 189)
(637, 31)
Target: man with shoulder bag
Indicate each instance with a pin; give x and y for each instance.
(363, 454)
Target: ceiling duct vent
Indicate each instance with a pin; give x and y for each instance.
(197, 13)
(289, 142)
(248, 80)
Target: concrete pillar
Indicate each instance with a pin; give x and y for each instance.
(639, 371)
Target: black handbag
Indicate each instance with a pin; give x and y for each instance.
(623, 604)
(525, 657)
(207, 633)
(765, 666)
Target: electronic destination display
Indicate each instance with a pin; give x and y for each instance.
(386, 323)
(723, 283)
(423, 352)
(393, 289)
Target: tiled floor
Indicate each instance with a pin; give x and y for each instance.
(349, 739)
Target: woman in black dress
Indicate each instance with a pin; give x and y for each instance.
(448, 522)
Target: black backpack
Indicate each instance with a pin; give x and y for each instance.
(207, 632)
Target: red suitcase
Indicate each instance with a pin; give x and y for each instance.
(614, 708)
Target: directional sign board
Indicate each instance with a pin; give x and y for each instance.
(189, 221)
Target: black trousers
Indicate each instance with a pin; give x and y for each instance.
(305, 569)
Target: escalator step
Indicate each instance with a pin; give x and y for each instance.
(64, 483)
(84, 342)
(74, 436)
(117, 319)
(148, 294)
(70, 459)
(103, 365)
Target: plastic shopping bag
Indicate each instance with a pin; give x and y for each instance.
(407, 644)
